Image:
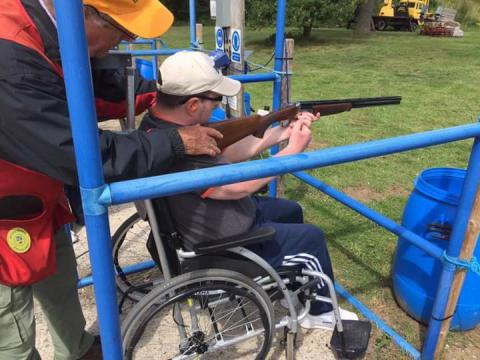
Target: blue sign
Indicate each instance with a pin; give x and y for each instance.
(236, 45)
(236, 41)
(219, 38)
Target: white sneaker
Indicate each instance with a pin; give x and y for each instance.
(326, 320)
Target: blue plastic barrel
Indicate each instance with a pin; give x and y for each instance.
(430, 213)
(145, 67)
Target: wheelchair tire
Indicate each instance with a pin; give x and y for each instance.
(128, 248)
(230, 311)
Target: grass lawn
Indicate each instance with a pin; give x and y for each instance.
(438, 79)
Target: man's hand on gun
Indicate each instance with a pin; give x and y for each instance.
(200, 140)
(300, 137)
(303, 117)
(307, 118)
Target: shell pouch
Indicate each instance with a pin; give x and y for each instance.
(27, 245)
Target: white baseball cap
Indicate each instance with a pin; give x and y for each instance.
(192, 73)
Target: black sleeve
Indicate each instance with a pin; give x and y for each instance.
(35, 128)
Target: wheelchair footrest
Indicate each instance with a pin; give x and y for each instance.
(352, 343)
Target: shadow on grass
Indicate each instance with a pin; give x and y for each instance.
(343, 228)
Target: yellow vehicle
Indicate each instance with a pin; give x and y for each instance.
(404, 15)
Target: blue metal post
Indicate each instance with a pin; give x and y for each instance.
(155, 60)
(130, 190)
(76, 67)
(193, 22)
(277, 84)
(430, 248)
(472, 181)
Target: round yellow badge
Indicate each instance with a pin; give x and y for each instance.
(19, 240)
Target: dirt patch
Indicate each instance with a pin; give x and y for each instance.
(366, 194)
(363, 193)
(396, 191)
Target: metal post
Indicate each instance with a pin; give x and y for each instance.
(285, 99)
(277, 84)
(130, 73)
(155, 60)
(435, 339)
(237, 25)
(78, 83)
(193, 21)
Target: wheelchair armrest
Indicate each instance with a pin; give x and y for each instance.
(249, 238)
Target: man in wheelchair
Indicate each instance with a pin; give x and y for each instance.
(189, 89)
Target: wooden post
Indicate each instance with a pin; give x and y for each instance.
(466, 253)
(285, 98)
(199, 34)
(287, 68)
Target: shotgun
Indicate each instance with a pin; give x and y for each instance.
(236, 129)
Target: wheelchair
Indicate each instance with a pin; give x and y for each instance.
(216, 301)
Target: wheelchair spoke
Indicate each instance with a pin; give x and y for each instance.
(219, 321)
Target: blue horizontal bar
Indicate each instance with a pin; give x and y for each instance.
(244, 78)
(139, 41)
(163, 185)
(404, 344)
(88, 280)
(157, 52)
(249, 78)
(371, 214)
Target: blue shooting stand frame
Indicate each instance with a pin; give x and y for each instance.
(97, 196)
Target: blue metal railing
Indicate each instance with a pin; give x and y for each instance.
(126, 191)
(78, 83)
(96, 195)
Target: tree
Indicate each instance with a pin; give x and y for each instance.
(364, 18)
(468, 11)
(303, 14)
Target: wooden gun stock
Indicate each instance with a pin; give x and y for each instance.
(236, 129)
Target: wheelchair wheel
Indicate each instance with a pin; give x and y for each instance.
(129, 248)
(208, 314)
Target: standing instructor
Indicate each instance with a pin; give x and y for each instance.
(37, 160)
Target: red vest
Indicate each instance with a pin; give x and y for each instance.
(27, 247)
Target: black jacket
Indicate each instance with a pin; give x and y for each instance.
(34, 125)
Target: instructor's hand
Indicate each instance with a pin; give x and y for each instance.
(200, 140)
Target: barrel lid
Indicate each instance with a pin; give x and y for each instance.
(425, 183)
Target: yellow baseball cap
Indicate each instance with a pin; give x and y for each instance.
(144, 18)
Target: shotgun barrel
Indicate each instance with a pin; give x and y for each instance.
(355, 103)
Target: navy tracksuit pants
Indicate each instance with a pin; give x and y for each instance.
(295, 243)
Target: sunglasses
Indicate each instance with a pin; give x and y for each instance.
(218, 98)
(115, 25)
